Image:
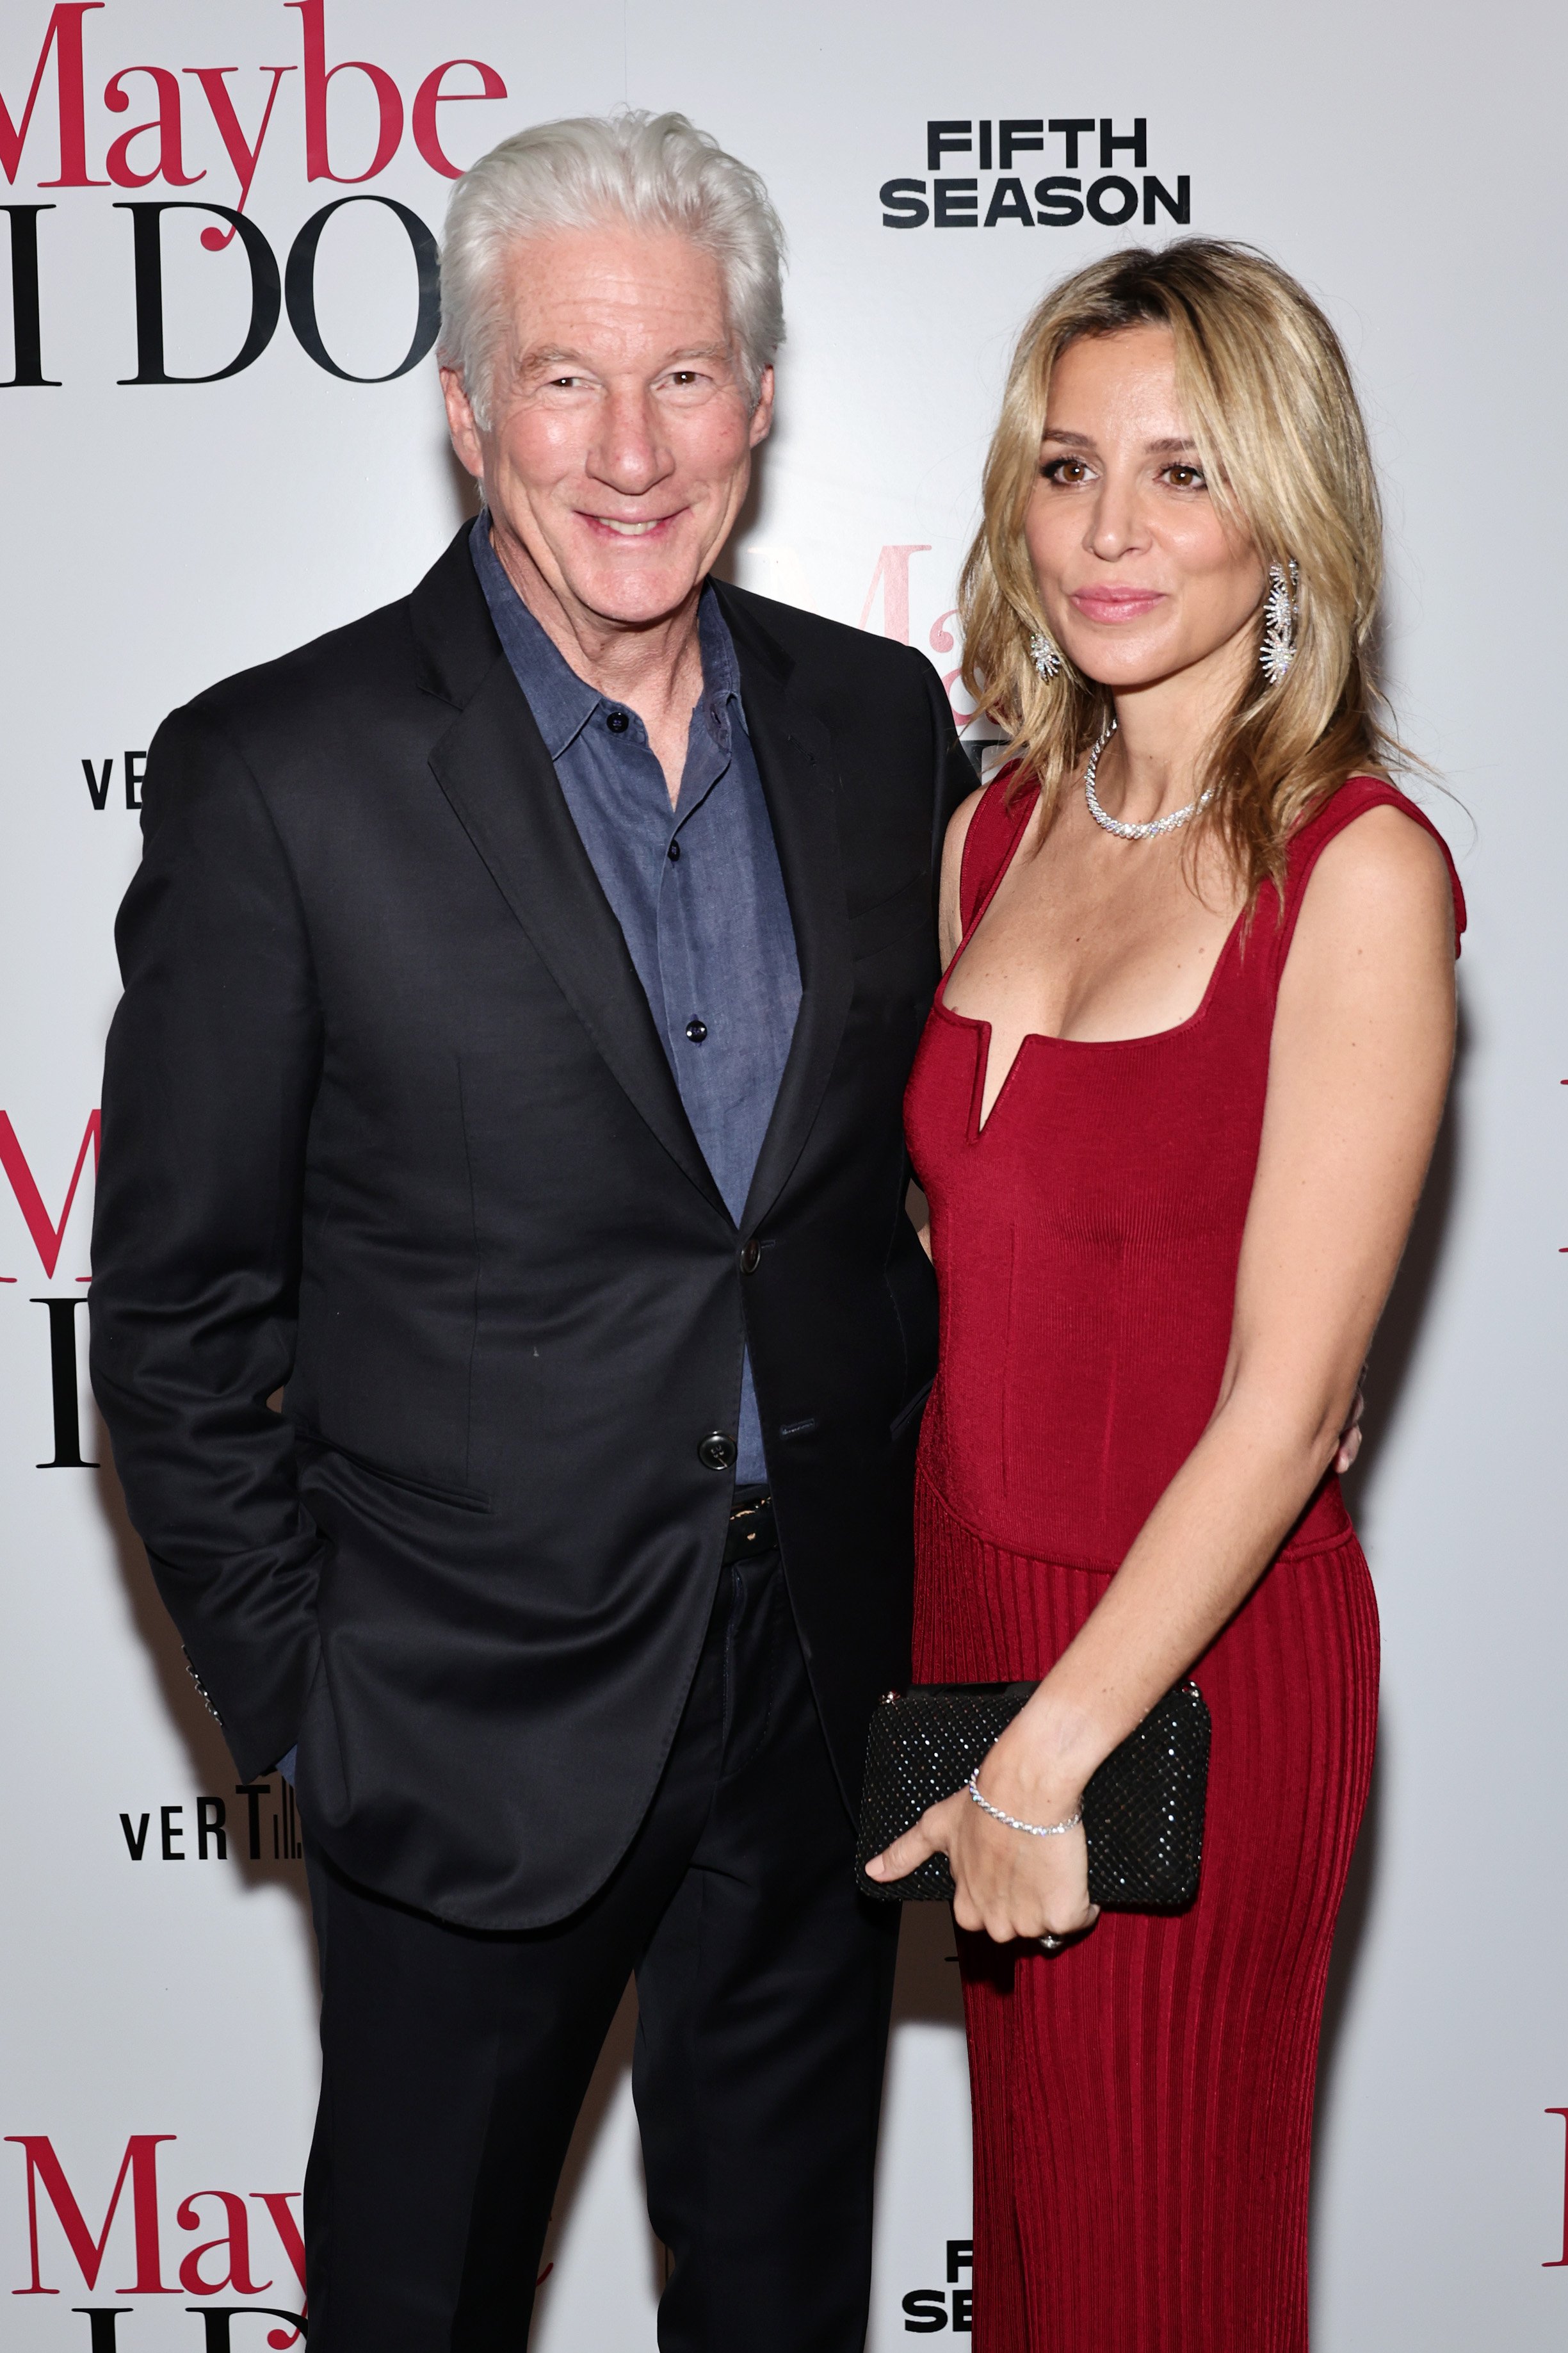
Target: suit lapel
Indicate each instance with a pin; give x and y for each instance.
(494, 769)
(794, 760)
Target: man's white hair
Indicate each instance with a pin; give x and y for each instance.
(654, 170)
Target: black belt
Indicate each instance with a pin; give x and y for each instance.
(751, 1531)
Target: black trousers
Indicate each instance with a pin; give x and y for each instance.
(454, 2061)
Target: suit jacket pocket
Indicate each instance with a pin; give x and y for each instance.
(462, 1499)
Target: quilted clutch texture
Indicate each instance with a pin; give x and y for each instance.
(1143, 1810)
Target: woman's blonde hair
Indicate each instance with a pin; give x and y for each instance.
(1270, 402)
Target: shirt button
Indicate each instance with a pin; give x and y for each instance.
(696, 1031)
(751, 1256)
(617, 722)
(675, 853)
(717, 1451)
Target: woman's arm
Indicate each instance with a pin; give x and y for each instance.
(1359, 1066)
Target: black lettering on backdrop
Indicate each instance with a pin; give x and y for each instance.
(1179, 206)
(1071, 128)
(1057, 200)
(956, 202)
(904, 205)
(99, 777)
(217, 2318)
(27, 332)
(300, 289)
(147, 249)
(253, 1792)
(1008, 202)
(172, 1832)
(63, 1385)
(946, 139)
(211, 1815)
(101, 2319)
(1113, 201)
(1137, 141)
(1019, 137)
(135, 1840)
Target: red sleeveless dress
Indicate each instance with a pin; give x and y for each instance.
(1142, 2101)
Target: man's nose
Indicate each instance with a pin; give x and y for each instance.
(629, 453)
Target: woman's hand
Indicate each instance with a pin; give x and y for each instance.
(1009, 1884)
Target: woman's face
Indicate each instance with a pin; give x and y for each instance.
(1138, 579)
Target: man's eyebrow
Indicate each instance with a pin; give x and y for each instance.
(550, 355)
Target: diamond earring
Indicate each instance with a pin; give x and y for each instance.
(1043, 655)
(1278, 650)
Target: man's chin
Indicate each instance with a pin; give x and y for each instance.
(627, 599)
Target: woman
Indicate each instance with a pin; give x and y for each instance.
(1172, 1112)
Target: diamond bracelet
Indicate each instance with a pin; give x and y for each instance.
(1030, 1829)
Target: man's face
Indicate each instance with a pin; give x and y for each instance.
(619, 447)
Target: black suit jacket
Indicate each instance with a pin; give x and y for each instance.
(387, 1124)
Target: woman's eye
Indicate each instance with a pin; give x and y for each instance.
(1186, 478)
(1067, 470)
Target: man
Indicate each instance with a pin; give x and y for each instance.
(520, 989)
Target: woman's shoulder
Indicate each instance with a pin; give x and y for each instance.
(1371, 855)
(982, 834)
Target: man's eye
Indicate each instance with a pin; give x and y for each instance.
(685, 376)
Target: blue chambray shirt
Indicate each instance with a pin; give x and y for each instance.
(697, 889)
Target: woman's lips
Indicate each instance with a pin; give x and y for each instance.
(1117, 604)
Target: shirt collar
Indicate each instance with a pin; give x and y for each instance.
(561, 702)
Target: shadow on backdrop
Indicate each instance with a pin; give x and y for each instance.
(1393, 1349)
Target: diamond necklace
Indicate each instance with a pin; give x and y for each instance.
(1155, 826)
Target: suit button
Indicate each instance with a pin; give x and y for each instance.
(717, 1451)
(751, 1256)
(696, 1030)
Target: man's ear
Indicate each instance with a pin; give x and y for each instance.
(460, 423)
(763, 415)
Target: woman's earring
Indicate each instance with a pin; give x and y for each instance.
(1043, 655)
(1278, 650)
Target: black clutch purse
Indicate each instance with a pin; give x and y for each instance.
(1142, 1809)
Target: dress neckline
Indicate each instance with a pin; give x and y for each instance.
(1048, 1037)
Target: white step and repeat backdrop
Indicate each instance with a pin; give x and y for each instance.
(213, 444)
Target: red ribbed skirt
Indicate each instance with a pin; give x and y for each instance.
(1143, 2101)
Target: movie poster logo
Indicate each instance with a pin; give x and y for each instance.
(1002, 172)
(206, 126)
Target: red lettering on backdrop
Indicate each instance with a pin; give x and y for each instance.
(430, 95)
(47, 1237)
(236, 2241)
(893, 577)
(64, 37)
(277, 2204)
(171, 162)
(389, 103)
(140, 2161)
(242, 157)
